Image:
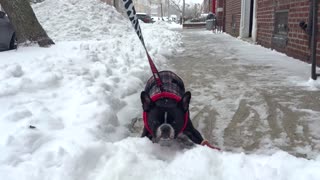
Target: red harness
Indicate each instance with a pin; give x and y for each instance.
(170, 96)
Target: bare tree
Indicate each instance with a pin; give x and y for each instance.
(176, 5)
(25, 22)
(187, 10)
(196, 10)
(183, 10)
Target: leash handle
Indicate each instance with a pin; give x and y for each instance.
(131, 12)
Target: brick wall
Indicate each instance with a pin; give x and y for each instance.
(232, 17)
(220, 13)
(298, 10)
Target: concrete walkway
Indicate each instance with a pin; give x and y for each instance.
(246, 98)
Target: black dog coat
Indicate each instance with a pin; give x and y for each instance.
(172, 85)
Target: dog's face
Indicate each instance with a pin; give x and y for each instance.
(165, 117)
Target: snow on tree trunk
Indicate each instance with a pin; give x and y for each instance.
(25, 22)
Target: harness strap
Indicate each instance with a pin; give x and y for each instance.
(158, 96)
(165, 95)
(186, 118)
(145, 121)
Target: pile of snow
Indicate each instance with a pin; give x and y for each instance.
(313, 85)
(55, 101)
(65, 109)
(84, 20)
(71, 20)
(170, 25)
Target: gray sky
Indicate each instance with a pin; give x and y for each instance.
(194, 1)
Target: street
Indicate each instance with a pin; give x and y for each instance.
(246, 98)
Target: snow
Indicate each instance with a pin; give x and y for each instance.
(65, 109)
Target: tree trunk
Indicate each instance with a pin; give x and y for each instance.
(183, 10)
(25, 22)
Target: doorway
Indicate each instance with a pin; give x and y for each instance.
(248, 19)
(251, 18)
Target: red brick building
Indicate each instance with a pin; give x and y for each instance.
(220, 13)
(273, 24)
(232, 17)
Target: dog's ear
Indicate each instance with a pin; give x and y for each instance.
(185, 101)
(146, 101)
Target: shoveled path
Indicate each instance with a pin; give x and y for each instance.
(246, 98)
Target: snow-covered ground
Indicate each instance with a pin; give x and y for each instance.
(65, 109)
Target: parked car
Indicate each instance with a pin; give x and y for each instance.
(7, 33)
(144, 17)
(155, 18)
(165, 18)
(174, 18)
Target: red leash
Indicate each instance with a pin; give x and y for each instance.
(155, 72)
(206, 143)
(131, 12)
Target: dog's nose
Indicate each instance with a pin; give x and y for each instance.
(165, 131)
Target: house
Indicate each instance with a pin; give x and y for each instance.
(207, 6)
(142, 6)
(217, 8)
(239, 18)
(276, 24)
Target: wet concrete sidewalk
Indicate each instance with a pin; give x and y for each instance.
(246, 98)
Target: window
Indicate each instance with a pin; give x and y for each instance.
(281, 23)
(280, 34)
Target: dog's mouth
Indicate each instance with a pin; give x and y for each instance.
(164, 134)
(165, 142)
